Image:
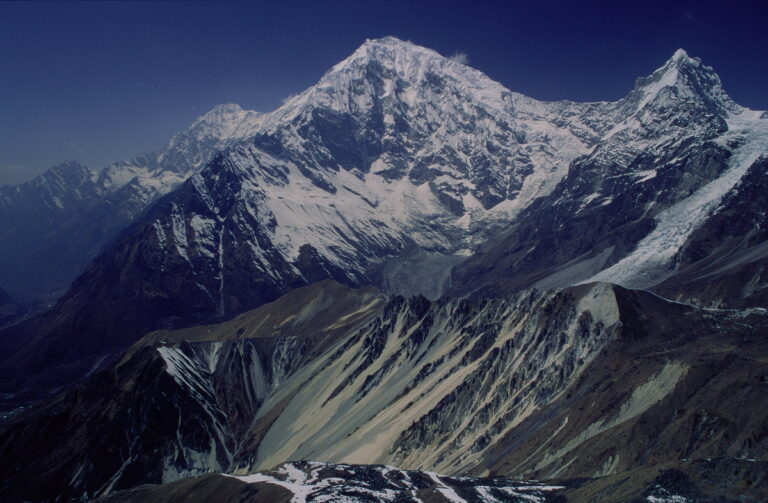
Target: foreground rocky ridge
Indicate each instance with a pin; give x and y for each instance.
(323, 482)
(702, 481)
(589, 382)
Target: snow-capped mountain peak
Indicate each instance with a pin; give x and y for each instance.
(64, 185)
(419, 116)
(680, 54)
(402, 71)
(684, 78)
(221, 110)
(227, 120)
(211, 132)
(397, 147)
(390, 51)
(67, 170)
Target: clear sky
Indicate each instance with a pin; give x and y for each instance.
(99, 81)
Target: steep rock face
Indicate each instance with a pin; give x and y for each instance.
(674, 387)
(368, 371)
(626, 209)
(171, 407)
(432, 385)
(54, 225)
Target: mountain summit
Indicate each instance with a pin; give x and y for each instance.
(189, 150)
(685, 78)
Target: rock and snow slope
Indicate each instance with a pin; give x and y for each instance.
(650, 262)
(463, 142)
(395, 150)
(313, 481)
(398, 150)
(396, 146)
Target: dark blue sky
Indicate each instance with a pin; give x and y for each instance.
(98, 82)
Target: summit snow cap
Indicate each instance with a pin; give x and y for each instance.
(685, 78)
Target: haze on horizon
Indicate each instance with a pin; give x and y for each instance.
(99, 82)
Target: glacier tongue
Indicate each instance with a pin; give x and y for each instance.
(652, 259)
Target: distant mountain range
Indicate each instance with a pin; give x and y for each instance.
(52, 226)
(587, 277)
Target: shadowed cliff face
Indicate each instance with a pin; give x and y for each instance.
(589, 381)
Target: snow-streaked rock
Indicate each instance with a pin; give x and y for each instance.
(327, 482)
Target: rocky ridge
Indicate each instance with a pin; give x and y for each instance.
(556, 385)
